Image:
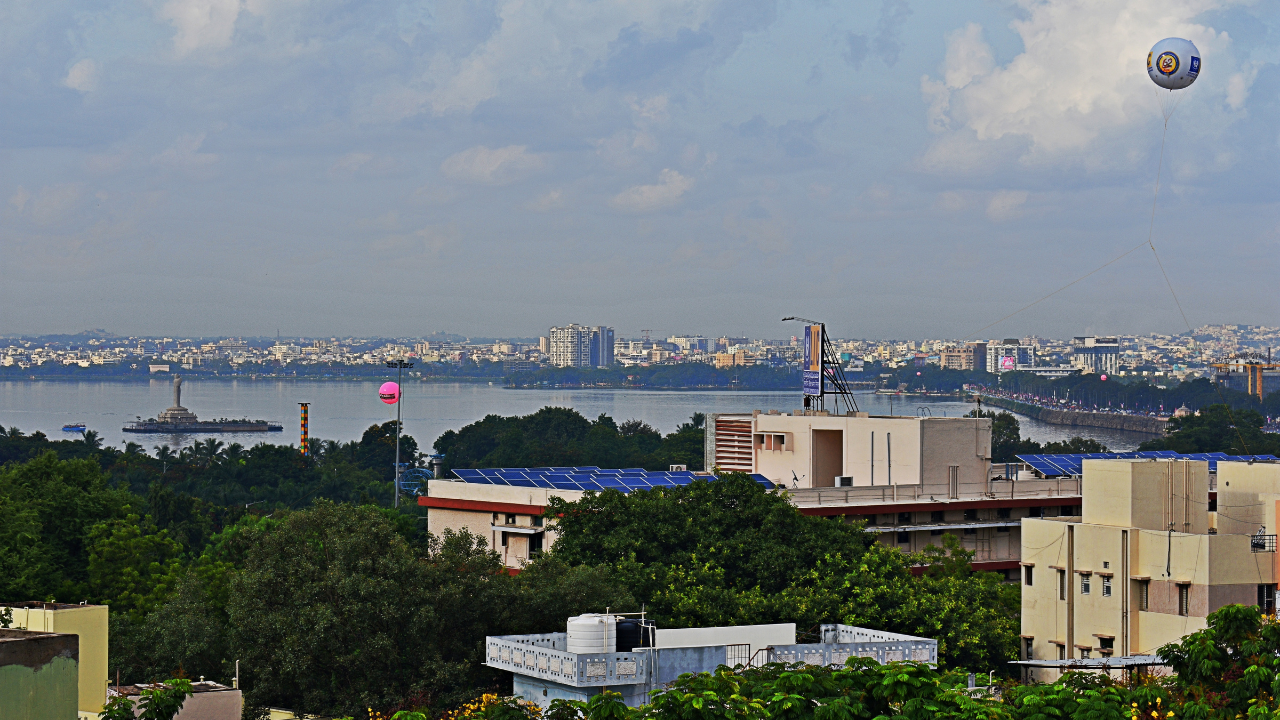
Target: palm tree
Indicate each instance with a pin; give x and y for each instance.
(164, 454)
(132, 448)
(92, 440)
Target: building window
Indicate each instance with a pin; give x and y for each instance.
(1184, 600)
(504, 539)
(1084, 653)
(1213, 504)
(1106, 643)
(1003, 513)
(970, 531)
(1035, 512)
(1062, 584)
(904, 537)
(495, 518)
(1062, 652)
(1267, 599)
(1029, 652)
(1026, 575)
(953, 478)
(937, 516)
(904, 518)
(1003, 529)
(1106, 587)
(535, 544)
(935, 532)
(1084, 584)
(1144, 595)
(537, 520)
(970, 515)
(511, 519)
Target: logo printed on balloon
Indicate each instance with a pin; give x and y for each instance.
(1167, 63)
(1149, 61)
(389, 393)
(1195, 66)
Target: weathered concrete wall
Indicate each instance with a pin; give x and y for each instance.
(1131, 423)
(39, 675)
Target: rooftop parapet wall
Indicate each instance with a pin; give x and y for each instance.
(540, 659)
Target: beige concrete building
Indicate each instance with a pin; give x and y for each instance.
(510, 518)
(910, 479)
(1148, 558)
(89, 623)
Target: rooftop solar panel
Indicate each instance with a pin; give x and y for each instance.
(590, 485)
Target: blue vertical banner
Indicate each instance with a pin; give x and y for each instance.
(812, 368)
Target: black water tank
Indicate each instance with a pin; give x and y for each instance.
(630, 635)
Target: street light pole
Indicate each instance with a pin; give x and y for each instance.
(399, 364)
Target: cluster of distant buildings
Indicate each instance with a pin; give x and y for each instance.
(597, 346)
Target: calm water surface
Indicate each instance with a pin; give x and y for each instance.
(342, 410)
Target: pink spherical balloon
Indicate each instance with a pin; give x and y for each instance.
(389, 393)
(1104, 377)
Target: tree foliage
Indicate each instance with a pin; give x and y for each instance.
(729, 552)
(1007, 442)
(560, 437)
(1217, 428)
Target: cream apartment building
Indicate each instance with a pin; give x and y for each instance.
(1147, 560)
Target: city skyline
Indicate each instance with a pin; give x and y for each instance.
(234, 168)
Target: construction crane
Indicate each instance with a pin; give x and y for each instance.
(1252, 364)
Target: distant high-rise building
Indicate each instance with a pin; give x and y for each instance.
(1096, 354)
(690, 343)
(581, 346)
(601, 346)
(972, 356)
(544, 345)
(1008, 354)
(570, 346)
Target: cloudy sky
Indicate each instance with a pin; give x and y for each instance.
(894, 167)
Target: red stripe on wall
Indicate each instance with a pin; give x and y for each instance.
(480, 506)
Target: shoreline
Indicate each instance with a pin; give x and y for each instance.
(1076, 418)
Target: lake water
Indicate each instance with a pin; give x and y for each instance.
(343, 410)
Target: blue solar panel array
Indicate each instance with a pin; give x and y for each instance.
(583, 478)
(1072, 464)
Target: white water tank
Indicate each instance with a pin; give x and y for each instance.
(592, 633)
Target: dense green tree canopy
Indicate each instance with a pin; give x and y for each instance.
(560, 437)
(1217, 428)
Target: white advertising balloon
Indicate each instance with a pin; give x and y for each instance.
(1173, 63)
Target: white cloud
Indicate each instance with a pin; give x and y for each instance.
(653, 109)
(201, 23)
(1004, 205)
(82, 76)
(492, 166)
(642, 198)
(363, 163)
(547, 44)
(549, 201)
(1081, 74)
(968, 56)
(952, 200)
(48, 206)
(1238, 86)
(185, 152)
